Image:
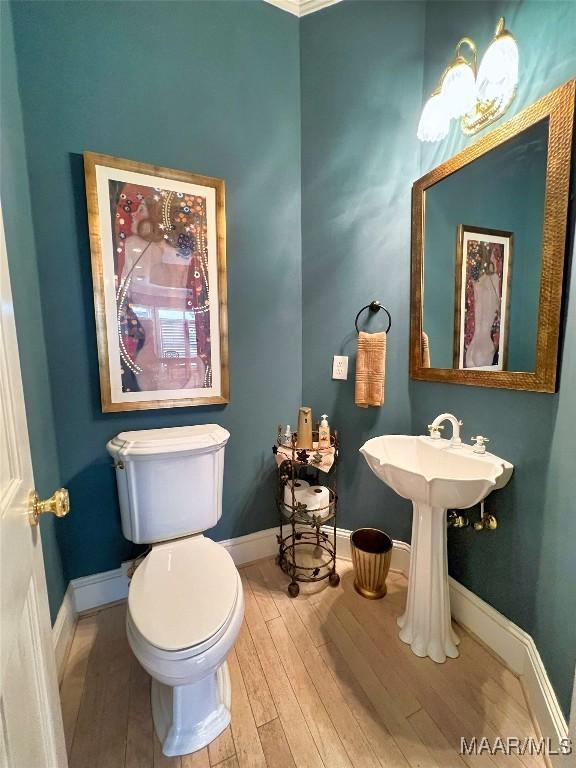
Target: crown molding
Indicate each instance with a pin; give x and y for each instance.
(301, 8)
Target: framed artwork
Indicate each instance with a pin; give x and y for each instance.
(482, 298)
(158, 242)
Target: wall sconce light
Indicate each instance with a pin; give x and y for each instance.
(477, 96)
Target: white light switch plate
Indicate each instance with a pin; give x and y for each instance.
(340, 367)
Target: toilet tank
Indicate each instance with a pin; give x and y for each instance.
(169, 480)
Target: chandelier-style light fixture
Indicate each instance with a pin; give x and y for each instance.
(475, 95)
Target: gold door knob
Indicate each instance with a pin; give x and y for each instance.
(58, 504)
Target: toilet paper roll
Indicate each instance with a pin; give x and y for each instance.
(317, 500)
(300, 487)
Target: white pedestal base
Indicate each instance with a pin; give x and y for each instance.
(188, 717)
(426, 625)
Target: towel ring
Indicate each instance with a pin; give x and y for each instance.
(374, 307)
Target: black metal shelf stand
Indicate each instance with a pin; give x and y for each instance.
(301, 529)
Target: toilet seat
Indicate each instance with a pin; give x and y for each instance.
(183, 595)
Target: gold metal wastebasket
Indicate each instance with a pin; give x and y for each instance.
(371, 556)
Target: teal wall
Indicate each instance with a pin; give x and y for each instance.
(527, 569)
(361, 96)
(22, 257)
(361, 63)
(485, 193)
(210, 87)
(233, 108)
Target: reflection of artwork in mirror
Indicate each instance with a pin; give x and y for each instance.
(502, 190)
(483, 272)
(155, 244)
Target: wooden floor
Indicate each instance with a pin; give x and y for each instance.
(322, 680)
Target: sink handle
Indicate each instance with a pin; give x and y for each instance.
(435, 431)
(480, 444)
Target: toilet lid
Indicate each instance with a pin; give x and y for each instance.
(183, 593)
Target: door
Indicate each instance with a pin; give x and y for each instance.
(31, 734)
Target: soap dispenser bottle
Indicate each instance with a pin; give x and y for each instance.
(324, 432)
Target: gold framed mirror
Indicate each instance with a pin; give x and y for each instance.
(489, 230)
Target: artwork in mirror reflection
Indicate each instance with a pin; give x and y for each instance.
(478, 312)
(483, 272)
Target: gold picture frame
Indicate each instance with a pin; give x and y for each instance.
(506, 239)
(558, 107)
(162, 329)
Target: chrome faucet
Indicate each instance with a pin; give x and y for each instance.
(435, 428)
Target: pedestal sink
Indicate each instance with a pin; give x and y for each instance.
(435, 476)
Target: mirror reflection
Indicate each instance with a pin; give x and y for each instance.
(483, 238)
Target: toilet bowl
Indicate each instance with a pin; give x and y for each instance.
(185, 609)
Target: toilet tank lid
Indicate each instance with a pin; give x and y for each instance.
(200, 438)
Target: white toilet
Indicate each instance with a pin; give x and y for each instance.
(185, 603)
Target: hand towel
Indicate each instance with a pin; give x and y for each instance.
(425, 350)
(370, 369)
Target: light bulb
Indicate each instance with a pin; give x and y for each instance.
(498, 72)
(459, 88)
(434, 121)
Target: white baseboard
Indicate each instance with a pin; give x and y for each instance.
(514, 646)
(253, 546)
(63, 630)
(517, 649)
(542, 698)
(400, 557)
(400, 552)
(101, 588)
(511, 643)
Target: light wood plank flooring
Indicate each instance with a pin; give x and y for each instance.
(319, 681)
